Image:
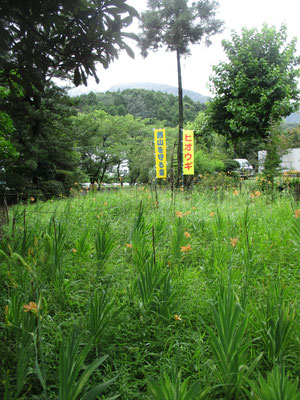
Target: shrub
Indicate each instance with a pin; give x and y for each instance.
(52, 188)
(230, 165)
(205, 163)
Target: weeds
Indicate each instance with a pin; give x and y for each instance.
(99, 314)
(229, 345)
(277, 386)
(72, 384)
(104, 245)
(158, 295)
(174, 389)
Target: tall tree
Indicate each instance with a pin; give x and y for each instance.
(176, 25)
(47, 161)
(256, 87)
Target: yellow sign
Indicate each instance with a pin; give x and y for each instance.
(188, 152)
(160, 153)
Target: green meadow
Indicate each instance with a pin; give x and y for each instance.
(116, 295)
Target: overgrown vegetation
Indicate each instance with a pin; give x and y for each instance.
(111, 294)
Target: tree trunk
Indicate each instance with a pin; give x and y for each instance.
(180, 120)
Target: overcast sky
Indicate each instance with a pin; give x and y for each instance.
(160, 67)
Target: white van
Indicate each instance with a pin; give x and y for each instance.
(245, 169)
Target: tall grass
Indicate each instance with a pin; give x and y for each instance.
(147, 286)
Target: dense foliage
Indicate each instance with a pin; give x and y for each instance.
(113, 293)
(120, 146)
(47, 161)
(256, 87)
(156, 107)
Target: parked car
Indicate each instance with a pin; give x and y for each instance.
(245, 170)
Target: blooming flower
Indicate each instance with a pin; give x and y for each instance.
(74, 250)
(177, 317)
(233, 241)
(257, 193)
(297, 213)
(186, 213)
(179, 214)
(105, 203)
(31, 198)
(185, 249)
(129, 245)
(187, 235)
(211, 214)
(32, 306)
(235, 192)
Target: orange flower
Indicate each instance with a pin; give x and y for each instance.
(194, 208)
(185, 249)
(297, 213)
(182, 189)
(179, 214)
(211, 214)
(31, 198)
(105, 203)
(129, 245)
(233, 241)
(187, 213)
(177, 317)
(257, 193)
(74, 250)
(235, 192)
(187, 235)
(32, 306)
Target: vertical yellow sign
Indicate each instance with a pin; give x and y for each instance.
(160, 153)
(188, 152)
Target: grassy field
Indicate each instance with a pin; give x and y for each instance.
(111, 294)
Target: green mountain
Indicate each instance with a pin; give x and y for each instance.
(141, 103)
(157, 87)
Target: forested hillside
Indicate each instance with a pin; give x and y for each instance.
(159, 87)
(141, 103)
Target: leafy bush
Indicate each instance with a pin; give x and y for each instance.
(52, 188)
(205, 163)
(230, 165)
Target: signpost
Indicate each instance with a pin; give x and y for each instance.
(188, 152)
(160, 153)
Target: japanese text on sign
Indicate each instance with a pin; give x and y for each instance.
(188, 152)
(160, 153)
